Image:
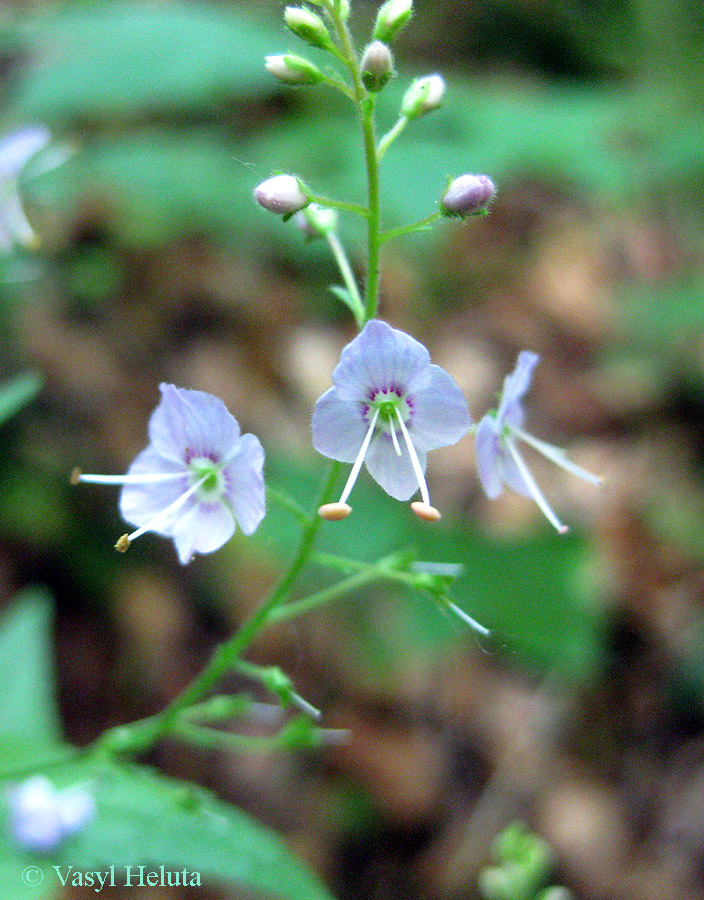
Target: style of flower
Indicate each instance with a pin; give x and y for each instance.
(498, 458)
(42, 817)
(15, 151)
(387, 407)
(196, 480)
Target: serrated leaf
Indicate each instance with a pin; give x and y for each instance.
(16, 393)
(28, 709)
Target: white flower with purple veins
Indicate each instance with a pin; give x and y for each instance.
(196, 480)
(387, 407)
(42, 817)
(498, 458)
(15, 151)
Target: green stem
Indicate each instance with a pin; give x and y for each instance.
(420, 225)
(391, 136)
(289, 504)
(342, 205)
(141, 736)
(338, 251)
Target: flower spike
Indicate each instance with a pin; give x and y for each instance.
(498, 459)
(196, 480)
(387, 407)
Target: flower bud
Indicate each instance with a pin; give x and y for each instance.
(281, 194)
(467, 195)
(293, 69)
(424, 95)
(308, 26)
(377, 66)
(316, 221)
(391, 18)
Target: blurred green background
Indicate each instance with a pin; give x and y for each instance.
(583, 714)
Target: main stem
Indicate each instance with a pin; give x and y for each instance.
(141, 736)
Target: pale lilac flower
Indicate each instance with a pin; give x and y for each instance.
(388, 406)
(198, 477)
(498, 458)
(42, 817)
(15, 151)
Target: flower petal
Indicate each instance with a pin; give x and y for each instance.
(440, 414)
(245, 483)
(201, 529)
(486, 444)
(338, 426)
(139, 503)
(187, 424)
(18, 148)
(392, 472)
(515, 386)
(381, 358)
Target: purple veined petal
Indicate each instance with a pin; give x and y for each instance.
(202, 528)
(187, 424)
(338, 427)
(245, 483)
(516, 384)
(381, 358)
(392, 472)
(486, 445)
(140, 503)
(18, 148)
(440, 415)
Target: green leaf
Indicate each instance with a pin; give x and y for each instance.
(28, 711)
(16, 393)
(145, 819)
(104, 60)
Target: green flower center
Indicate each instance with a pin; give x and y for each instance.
(213, 486)
(390, 405)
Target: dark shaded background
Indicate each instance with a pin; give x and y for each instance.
(583, 714)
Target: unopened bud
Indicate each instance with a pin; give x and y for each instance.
(281, 194)
(424, 95)
(468, 195)
(308, 26)
(377, 66)
(391, 18)
(316, 221)
(293, 69)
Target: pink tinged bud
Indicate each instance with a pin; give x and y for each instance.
(308, 26)
(424, 95)
(468, 195)
(391, 18)
(293, 69)
(377, 66)
(281, 194)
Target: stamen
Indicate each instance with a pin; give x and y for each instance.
(333, 512)
(394, 439)
(534, 489)
(415, 462)
(559, 457)
(468, 619)
(142, 478)
(425, 511)
(165, 513)
(360, 458)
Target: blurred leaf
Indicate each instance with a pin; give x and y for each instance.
(98, 60)
(28, 709)
(144, 819)
(16, 393)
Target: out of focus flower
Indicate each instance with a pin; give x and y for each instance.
(41, 817)
(196, 480)
(388, 406)
(498, 459)
(15, 151)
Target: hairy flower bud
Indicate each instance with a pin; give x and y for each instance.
(377, 66)
(391, 18)
(316, 221)
(308, 26)
(424, 95)
(468, 195)
(281, 194)
(293, 69)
